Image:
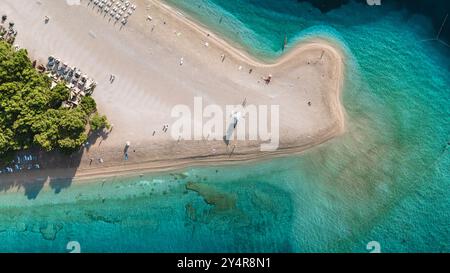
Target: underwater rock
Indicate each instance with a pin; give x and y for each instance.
(49, 232)
(97, 217)
(179, 176)
(191, 212)
(220, 201)
(2, 228)
(20, 227)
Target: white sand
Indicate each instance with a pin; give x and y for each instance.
(150, 82)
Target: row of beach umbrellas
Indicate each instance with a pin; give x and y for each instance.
(117, 9)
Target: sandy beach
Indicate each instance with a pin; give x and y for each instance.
(144, 55)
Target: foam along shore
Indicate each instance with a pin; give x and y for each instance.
(161, 59)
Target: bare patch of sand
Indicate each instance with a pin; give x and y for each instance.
(144, 56)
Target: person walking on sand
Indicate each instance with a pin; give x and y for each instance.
(181, 61)
(267, 79)
(46, 19)
(112, 78)
(244, 103)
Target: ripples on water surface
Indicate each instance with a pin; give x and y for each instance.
(386, 180)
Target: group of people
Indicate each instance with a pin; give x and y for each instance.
(26, 162)
(100, 160)
(9, 33)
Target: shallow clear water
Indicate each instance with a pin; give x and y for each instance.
(387, 179)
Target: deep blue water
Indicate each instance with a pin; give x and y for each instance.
(387, 179)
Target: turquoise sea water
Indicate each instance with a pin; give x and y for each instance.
(387, 179)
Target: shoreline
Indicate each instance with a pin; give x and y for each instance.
(235, 48)
(119, 168)
(150, 168)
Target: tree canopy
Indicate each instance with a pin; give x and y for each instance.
(99, 122)
(30, 110)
